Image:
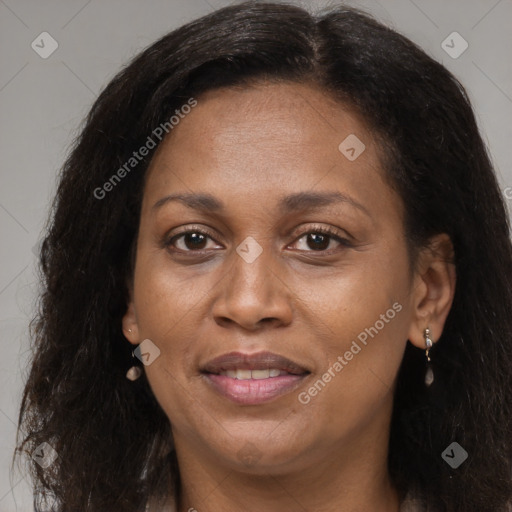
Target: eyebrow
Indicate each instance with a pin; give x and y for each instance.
(291, 203)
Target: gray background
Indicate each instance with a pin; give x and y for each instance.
(43, 101)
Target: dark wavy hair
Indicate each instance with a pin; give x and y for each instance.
(113, 440)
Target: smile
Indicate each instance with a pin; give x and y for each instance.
(248, 389)
(253, 374)
(251, 379)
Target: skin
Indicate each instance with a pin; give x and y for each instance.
(250, 147)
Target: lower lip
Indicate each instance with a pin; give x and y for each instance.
(254, 391)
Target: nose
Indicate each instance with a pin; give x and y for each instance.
(253, 295)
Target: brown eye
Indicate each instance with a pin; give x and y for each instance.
(319, 240)
(189, 241)
(194, 240)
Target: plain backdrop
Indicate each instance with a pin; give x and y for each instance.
(44, 100)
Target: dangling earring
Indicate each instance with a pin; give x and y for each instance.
(429, 374)
(135, 371)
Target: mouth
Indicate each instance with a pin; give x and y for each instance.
(251, 379)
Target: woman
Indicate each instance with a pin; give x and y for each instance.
(278, 276)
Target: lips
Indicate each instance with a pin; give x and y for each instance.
(260, 361)
(252, 379)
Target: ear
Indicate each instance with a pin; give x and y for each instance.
(434, 289)
(130, 325)
(129, 322)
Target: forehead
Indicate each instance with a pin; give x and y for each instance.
(266, 139)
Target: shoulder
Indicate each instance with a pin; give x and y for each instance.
(154, 505)
(413, 504)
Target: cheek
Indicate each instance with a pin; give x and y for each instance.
(163, 297)
(366, 313)
(369, 333)
(165, 307)
(357, 382)
(361, 297)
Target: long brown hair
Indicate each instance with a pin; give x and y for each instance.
(111, 436)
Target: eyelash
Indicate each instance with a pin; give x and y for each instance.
(314, 230)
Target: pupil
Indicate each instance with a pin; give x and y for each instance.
(323, 239)
(196, 238)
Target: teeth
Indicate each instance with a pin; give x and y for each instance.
(260, 374)
(243, 374)
(253, 374)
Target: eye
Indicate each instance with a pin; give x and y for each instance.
(319, 239)
(190, 241)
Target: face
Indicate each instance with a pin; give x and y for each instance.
(298, 251)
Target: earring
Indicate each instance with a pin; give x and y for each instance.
(134, 372)
(429, 374)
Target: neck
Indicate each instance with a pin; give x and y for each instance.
(235, 492)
